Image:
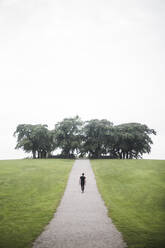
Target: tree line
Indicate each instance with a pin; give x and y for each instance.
(93, 139)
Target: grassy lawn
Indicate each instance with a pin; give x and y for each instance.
(134, 193)
(30, 191)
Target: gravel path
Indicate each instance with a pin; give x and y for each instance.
(81, 219)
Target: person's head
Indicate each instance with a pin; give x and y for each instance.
(82, 174)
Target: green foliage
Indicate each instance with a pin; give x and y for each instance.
(35, 138)
(132, 140)
(68, 136)
(93, 139)
(30, 193)
(102, 139)
(95, 133)
(133, 191)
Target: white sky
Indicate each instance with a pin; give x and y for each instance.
(95, 58)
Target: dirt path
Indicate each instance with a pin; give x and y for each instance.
(81, 219)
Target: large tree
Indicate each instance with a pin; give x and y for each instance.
(35, 139)
(132, 140)
(95, 134)
(67, 135)
(45, 141)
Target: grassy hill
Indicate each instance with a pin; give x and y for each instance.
(30, 191)
(134, 193)
(133, 190)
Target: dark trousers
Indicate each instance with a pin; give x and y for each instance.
(82, 186)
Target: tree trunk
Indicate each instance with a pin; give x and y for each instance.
(34, 154)
(123, 155)
(39, 154)
(120, 155)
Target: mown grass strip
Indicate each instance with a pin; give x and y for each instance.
(134, 193)
(30, 191)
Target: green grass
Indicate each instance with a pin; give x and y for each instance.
(30, 191)
(134, 193)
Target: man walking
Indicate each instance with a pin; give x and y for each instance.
(82, 182)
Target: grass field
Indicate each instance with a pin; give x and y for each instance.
(134, 192)
(30, 191)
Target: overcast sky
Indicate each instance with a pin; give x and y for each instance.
(92, 58)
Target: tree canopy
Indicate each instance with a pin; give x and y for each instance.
(94, 139)
(67, 135)
(35, 138)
